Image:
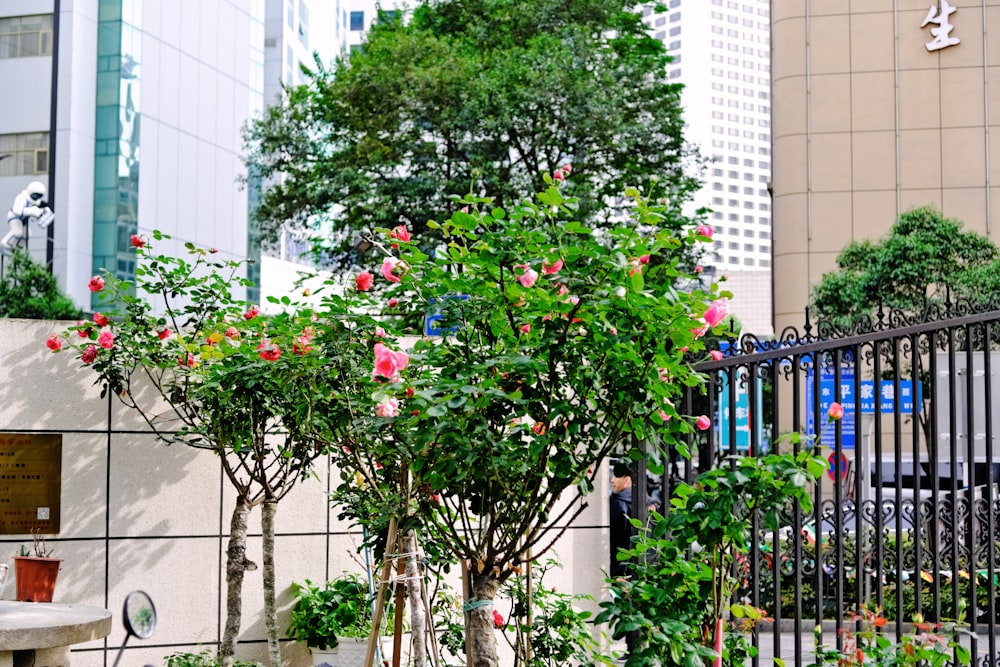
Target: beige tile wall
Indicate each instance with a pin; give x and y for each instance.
(889, 126)
(138, 514)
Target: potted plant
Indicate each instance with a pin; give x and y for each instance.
(35, 572)
(325, 616)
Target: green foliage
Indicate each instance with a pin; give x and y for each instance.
(560, 632)
(28, 291)
(674, 602)
(479, 93)
(204, 659)
(928, 644)
(542, 378)
(923, 255)
(342, 608)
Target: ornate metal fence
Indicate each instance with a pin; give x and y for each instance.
(907, 520)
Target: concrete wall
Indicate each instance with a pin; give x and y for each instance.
(137, 514)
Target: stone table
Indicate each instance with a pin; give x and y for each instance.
(41, 633)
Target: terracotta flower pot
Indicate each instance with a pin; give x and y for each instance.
(36, 578)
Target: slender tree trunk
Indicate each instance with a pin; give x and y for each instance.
(236, 565)
(418, 621)
(268, 510)
(482, 642)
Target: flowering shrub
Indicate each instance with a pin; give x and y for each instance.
(564, 347)
(227, 379)
(932, 644)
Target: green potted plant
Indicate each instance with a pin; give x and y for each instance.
(36, 572)
(323, 617)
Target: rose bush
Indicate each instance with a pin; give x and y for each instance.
(560, 350)
(222, 370)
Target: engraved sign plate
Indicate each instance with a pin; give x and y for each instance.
(30, 483)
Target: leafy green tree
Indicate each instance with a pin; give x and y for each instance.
(491, 93)
(922, 259)
(28, 291)
(563, 348)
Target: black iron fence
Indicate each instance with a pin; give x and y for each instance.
(907, 518)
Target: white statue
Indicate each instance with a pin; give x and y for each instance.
(29, 206)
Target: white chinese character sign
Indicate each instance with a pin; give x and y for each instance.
(942, 33)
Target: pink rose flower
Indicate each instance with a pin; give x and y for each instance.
(525, 328)
(388, 409)
(137, 241)
(558, 175)
(84, 330)
(393, 269)
(538, 428)
(704, 230)
(716, 312)
(401, 233)
(54, 343)
(393, 303)
(163, 335)
(497, 619)
(528, 275)
(252, 312)
(269, 351)
(699, 268)
(301, 345)
(364, 281)
(835, 412)
(379, 332)
(716, 355)
(100, 320)
(89, 354)
(96, 284)
(231, 333)
(106, 339)
(568, 168)
(187, 361)
(388, 363)
(553, 268)
(703, 423)
(644, 259)
(662, 415)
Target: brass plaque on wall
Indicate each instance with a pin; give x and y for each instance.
(30, 483)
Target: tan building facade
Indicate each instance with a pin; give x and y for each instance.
(879, 106)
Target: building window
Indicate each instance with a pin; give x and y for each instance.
(357, 21)
(26, 36)
(748, 261)
(765, 263)
(675, 31)
(24, 154)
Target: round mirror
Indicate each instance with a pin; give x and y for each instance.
(139, 615)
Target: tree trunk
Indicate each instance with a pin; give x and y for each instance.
(267, 512)
(236, 565)
(482, 643)
(418, 621)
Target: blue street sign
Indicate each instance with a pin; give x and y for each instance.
(433, 319)
(887, 397)
(828, 395)
(744, 416)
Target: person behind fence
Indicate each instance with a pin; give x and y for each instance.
(29, 205)
(621, 510)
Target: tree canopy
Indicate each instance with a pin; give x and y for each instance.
(28, 291)
(487, 95)
(924, 259)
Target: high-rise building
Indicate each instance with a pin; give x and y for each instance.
(879, 107)
(187, 73)
(721, 51)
